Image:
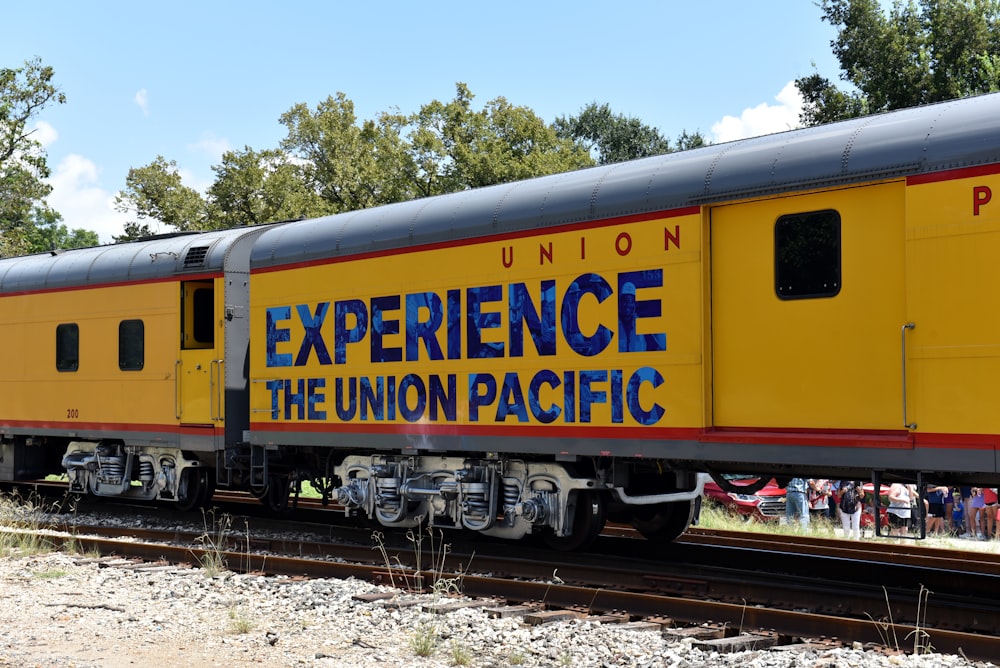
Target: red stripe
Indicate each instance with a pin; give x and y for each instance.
(27, 426)
(524, 234)
(952, 174)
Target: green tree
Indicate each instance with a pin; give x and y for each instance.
(156, 192)
(922, 52)
(611, 137)
(348, 165)
(49, 234)
(457, 147)
(24, 92)
(254, 187)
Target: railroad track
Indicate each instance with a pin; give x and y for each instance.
(742, 588)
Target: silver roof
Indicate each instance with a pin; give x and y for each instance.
(151, 259)
(948, 135)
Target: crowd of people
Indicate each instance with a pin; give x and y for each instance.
(963, 512)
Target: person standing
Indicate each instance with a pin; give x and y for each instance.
(899, 511)
(935, 508)
(850, 508)
(976, 508)
(796, 505)
(819, 496)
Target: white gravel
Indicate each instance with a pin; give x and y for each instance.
(64, 610)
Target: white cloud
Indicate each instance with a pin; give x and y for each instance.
(142, 99)
(210, 146)
(44, 134)
(763, 119)
(77, 195)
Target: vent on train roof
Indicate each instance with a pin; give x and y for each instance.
(195, 257)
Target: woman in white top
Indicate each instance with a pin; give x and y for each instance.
(900, 500)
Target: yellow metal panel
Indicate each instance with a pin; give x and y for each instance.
(665, 386)
(98, 393)
(822, 363)
(953, 231)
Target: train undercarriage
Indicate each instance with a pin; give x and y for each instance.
(566, 501)
(110, 469)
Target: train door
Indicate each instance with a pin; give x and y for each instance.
(199, 368)
(807, 308)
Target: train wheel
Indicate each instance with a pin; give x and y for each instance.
(588, 522)
(663, 522)
(278, 489)
(196, 488)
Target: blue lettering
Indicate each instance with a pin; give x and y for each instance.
(372, 398)
(346, 410)
(482, 392)
(644, 375)
(418, 330)
(589, 395)
(541, 327)
(478, 322)
(544, 377)
(631, 309)
(382, 327)
(444, 400)
(416, 412)
(511, 399)
(276, 336)
(344, 334)
(582, 344)
(313, 338)
(316, 399)
(296, 399)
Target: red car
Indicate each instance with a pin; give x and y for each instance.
(767, 503)
(868, 508)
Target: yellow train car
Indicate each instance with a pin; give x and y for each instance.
(535, 356)
(114, 364)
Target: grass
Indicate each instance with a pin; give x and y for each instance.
(238, 623)
(424, 641)
(48, 575)
(460, 655)
(438, 554)
(214, 542)
(714, 517)
(21, 520)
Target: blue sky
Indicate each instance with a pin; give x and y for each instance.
(189, 80)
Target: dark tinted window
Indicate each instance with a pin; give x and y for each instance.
(807, 255)
(67, 347)
(131, 345)
(204, 317)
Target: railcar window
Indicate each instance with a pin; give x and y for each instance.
(204, 332)
(131, 345)
(67, 347)
(807, 255)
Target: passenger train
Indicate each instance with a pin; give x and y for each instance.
(535, 357)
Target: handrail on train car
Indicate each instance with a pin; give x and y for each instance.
(215, 389)
(906, 422)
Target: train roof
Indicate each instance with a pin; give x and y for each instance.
(948, 135)
(145, 260)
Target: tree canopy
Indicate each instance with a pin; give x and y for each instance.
(614, 137)
(24, 92)
(330, 162)
(921, 52)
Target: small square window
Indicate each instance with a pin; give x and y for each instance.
(67, 347)
(131, 345)
(807, 255)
